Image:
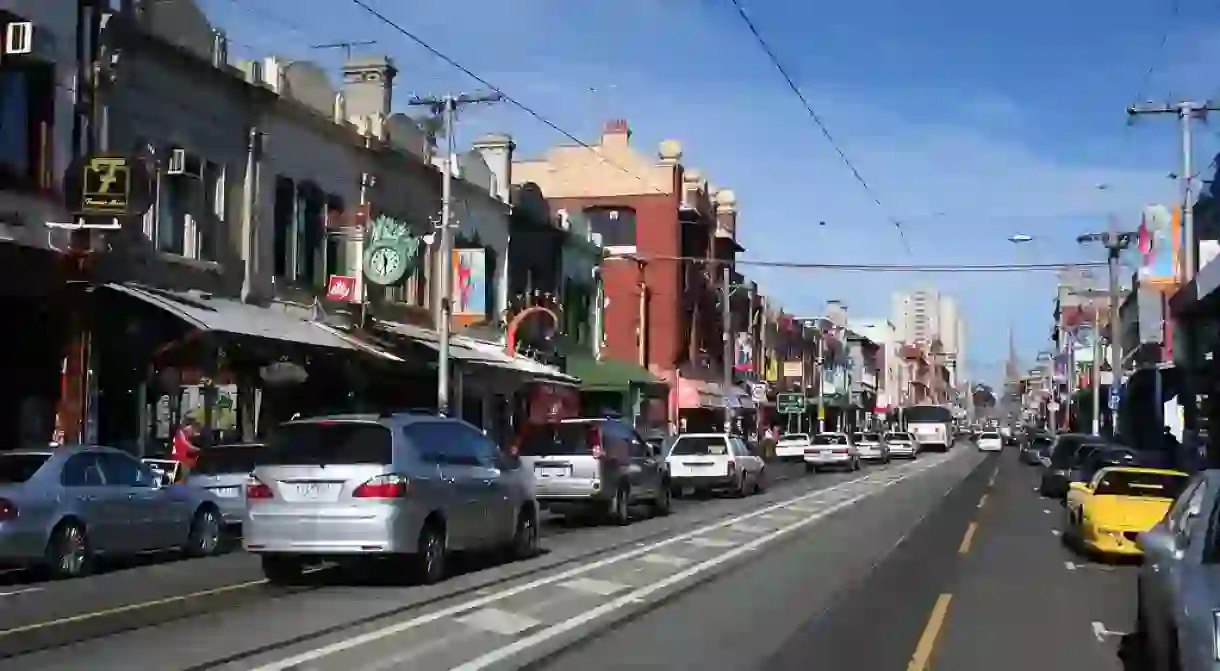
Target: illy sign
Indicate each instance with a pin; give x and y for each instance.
(341, 288)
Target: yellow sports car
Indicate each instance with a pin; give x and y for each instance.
(1105, 514)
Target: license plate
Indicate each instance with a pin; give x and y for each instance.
(227, 492)
(311, 490)
(551, 472)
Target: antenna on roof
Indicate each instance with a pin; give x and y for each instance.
(345, 46)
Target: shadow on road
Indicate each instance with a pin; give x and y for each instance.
(1131, 653)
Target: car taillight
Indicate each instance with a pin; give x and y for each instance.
(595, 442)
(389, 486)
(255, 489)
(8, 510)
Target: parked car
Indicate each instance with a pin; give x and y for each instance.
(705, 462)
(990, 442)
(165, 470)
(594, 465)
(60, 509)
(1054, 481)
(1178, 589)
(901, 444)
(871, 447)
(1106, 514)
(416, 486)
(831, 450)
(1034, 449)
(224, 470)
(792, 446)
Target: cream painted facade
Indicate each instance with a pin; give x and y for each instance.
(612, 168)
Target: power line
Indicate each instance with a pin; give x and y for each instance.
(817, 120)
(504, 96)
(1175, 8)
(870, 267)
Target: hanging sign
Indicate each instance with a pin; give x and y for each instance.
(341, 288)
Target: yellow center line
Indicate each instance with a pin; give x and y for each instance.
(931, 632)
(968, 538)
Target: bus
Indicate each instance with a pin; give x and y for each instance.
(931, 424)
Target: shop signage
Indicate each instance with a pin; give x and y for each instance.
(758, 392)
(392, 252)
(108, 186)
(341, 288)
(790, 404)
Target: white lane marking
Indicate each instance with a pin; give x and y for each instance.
(664, 559)
(704, 542)
(594, 586)
(27, 590)
(747, 528)
(498, 621)
(1071, 566)
(525, 643)
(457, 609)
(1046, 512)
(1100, 632)
(1055, 532)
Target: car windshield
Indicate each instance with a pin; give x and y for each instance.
(329, 442)
(794, 438)
(898, 437)
(228, 459)
(989, 436)
(830, 439)
(700, 445)
(17, 468)
(1136, 483)
(868, 437)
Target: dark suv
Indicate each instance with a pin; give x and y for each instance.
(594, 465)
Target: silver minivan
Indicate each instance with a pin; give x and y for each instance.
(365, 486)
(595, 465)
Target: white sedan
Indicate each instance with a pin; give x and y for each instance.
(990, 442)
(832, 450)
(792, 446)
(704, 462)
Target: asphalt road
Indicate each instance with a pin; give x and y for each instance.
(155, 591)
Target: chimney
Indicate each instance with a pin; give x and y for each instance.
(616, 133)
(726, 214)
(497, 151)
(368, 85)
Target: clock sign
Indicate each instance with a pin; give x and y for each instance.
(392, 252)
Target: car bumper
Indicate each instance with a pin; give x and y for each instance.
(828, 459)
(1120, 544)
(789, 451)
(21, 545)
(872, 454)
(378, 529)
(703, 482)
(902, 451)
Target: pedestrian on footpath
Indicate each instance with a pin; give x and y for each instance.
(185, 453)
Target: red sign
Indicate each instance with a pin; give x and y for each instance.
(341, 288)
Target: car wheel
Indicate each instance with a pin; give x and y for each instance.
(664, 501)
(204, 537)
(431, 555)
(282, 569)
(525, 537)
(68, 552)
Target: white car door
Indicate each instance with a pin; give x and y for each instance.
(746, 460)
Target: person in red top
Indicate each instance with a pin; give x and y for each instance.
(185, 452)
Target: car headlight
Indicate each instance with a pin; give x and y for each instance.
(1216, 635)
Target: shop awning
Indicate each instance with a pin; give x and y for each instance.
(609, 374)
(206, 312)
(477, 352)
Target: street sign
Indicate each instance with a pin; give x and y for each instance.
(790, 404)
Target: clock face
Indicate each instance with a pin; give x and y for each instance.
(385, 261)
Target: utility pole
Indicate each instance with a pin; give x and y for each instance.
(821, 363)
(726, 316)
(1186, 111)
(447, 106)
(1115, 243)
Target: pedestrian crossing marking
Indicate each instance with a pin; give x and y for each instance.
(593, 586)
(498, 621)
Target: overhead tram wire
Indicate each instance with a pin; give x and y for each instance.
(871, 267)
(817, 120)
(505, 96)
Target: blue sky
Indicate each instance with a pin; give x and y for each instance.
(972, 121)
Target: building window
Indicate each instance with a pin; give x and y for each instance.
(616, 225)
(299, 242)
(27, 112)
(191, 210)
